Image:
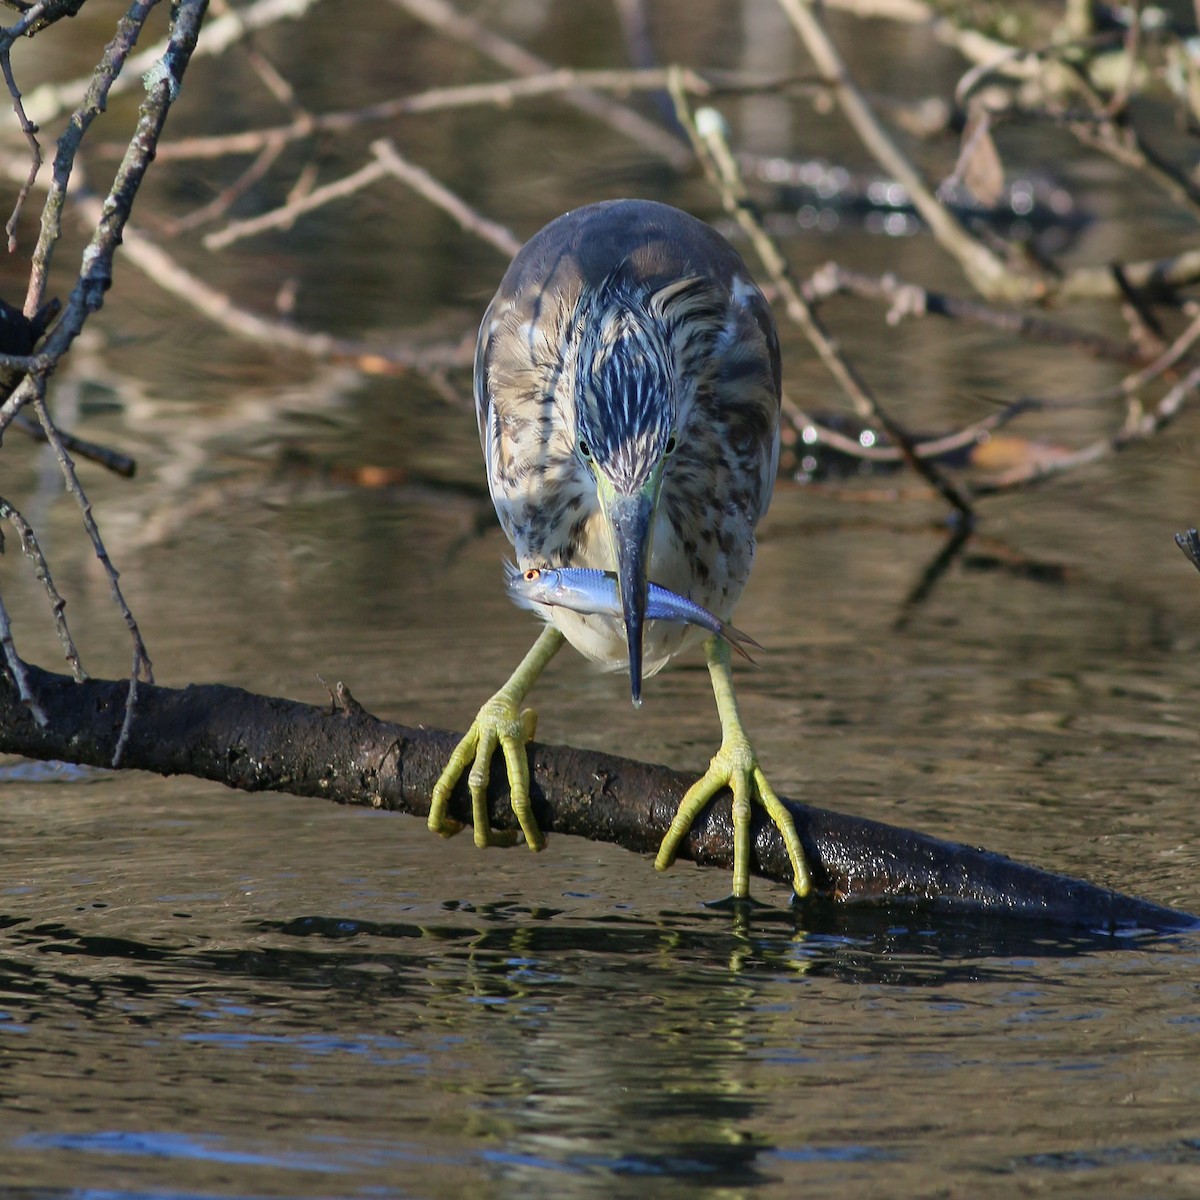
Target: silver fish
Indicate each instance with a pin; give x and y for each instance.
(587, 590)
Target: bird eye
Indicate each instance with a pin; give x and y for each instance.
(585, 449)
(670, 446)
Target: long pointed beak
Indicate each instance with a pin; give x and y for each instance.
(631, 520)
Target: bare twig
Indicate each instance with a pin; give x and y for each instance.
(35, 149)
(268, 74)
(445, 18)
(1124, 145)
(33, 551)
(49, 101)
(218, 307)
(228, 196)
(812, 430)
(16, 668)
(388, 163)
(436, 193)
(910, 299)
(501, 94)
(1137, 428)
(985, 271)
(287, 215)
(142, 668)
(92, 103)
(105, 456)
(708, 139)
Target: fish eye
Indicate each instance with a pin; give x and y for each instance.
(585, 449)
(532, 575)
(669, 448)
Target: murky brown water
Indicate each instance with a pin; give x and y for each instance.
(214, 995)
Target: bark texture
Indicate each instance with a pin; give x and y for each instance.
(342, 753)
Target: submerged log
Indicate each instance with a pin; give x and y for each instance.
(342, 753)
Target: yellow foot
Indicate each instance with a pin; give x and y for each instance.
(501, 722)
(734, 766)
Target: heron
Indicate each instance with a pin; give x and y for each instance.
(627, 391)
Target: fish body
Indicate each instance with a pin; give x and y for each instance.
(594, 592)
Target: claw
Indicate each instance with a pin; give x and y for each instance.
(735, 766)
(500, 723)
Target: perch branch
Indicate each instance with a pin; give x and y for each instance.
(261, 743)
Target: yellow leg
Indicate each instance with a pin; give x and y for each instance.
(735, 766)
(501, 722)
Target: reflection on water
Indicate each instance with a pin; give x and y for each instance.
(582, 1047)
(213, 995)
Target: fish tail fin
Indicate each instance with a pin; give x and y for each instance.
(738, 641)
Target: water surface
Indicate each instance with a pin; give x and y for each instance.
(218, 995)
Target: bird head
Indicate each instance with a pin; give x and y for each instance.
(625, 417)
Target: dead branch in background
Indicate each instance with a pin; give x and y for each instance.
(162, 82)
(707, 131)
(1050, 75)
(448, 20)
(1074, 79)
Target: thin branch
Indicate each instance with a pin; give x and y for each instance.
(39, 16)
(17, 669)
(1013, 62)
(911, 299)
(985, 271)
(436, 193)
(708, 139)
(1138, 429)
(388, 162)
(1124, 145)
(268, 74)
(142, 668)
(154, 262)
(91, 105)
(813, 431)
(35, 150)
(447, 20)
(228, 196)
(49, 101)
(33, 551)
(286, 216)
(500, 94)
(113, 460)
